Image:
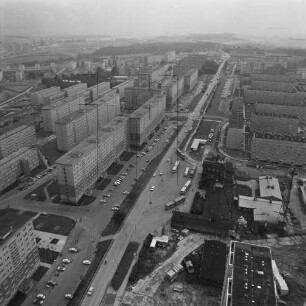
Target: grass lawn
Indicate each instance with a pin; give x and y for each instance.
(18, 299)
(39, 273)
(39, 191)
(51, 151)
(114, 168)
(103, 184)
(126, 156)
(124, 265)
(47, 256)
(194, 102)
(244, 190)
(101, 250)
(54, 224)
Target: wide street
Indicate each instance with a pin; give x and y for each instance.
(92, 219)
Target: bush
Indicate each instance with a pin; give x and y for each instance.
(124, 265)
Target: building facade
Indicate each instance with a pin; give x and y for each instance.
(20, 162)
(37, 97)
(173, 89)
(79, 168)
(74, 89)
(278, 149)
(144, 120)
(190, 79)
(23, 136)
(59, 109)
(19, 256)
(136, 96)
(79, 125)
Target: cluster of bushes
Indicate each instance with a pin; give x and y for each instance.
(101, 250)
(124, 265)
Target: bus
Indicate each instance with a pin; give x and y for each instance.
(174, 169)
(192, 171)
(186, 187)
(176, 202)
(186, 171)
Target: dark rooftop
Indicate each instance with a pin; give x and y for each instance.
(252, 276)
(12, 220)
(213, 262)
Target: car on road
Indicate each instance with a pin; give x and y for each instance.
(38, 302)
(154, 174)
(102, 201)
(40, 296)
(147, 161)
(152, 188)
(138, 155)
(107, 195)
(56, 273)
(86, 262)
(68, 296)
(90, 291)
(52, 283)
(126, 192)
(61, 269)
(66, 261)
(115, 208)
(73, 250)
(143, 169)
(117, 205)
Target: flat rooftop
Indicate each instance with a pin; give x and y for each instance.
(11, 220)
(60, 102)
(253, 282)
(75, 115)
(269, 187)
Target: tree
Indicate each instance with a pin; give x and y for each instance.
(209, 67)
(119, 216)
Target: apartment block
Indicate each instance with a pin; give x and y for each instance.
(13, 166)
(273, 78)
(194, 61)
(19, 256)
(79, 168)
(252, 96)
(54, 97)
(153, 74)
(275, 123)
(37, 97)
(137, 96)
(273, 86)
(190, 79)
(97, 90)
(77, 126)
(59, 109)
(279, 149)
(144, 120)
(281, 109)
(23, 136)
(74, 89)
(249, 276)
(173, 89)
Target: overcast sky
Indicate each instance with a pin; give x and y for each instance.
(153, 17)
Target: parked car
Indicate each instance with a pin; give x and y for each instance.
(61, 269)
(73, 250)
(40, 296)
(38, 302)
(86, 262)
(68, 296)
(52, 283)
(90, 291)
(115, 208)
(66, 261)
(152, 188)
(102, 201)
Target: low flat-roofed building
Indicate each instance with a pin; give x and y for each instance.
(213, 262)
(196, 142)
(249, 276)
(269, 188)
(264, 210)
(19, 256)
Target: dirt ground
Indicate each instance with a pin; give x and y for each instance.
(291, 262)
